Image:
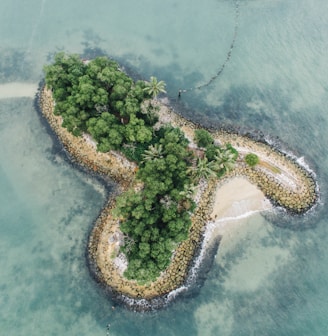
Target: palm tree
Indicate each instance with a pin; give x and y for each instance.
(225, 159)
(204, 169)
(153, 152)
(154, 87)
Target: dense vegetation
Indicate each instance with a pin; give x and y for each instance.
(157, 217)
(99, 98)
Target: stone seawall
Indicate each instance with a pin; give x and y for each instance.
(292, 188)
(83, 151)
(99, 249)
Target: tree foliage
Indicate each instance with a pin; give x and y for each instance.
(99, 98)
(226, 158)
(252, 159)
(203, 138)
(158, 217)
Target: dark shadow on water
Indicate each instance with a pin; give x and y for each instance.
(170, 73)
(233, 112)
(13, 66)
(291, 297)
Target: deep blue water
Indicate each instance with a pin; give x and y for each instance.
(270, 277)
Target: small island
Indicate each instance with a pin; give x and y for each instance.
(169, 173)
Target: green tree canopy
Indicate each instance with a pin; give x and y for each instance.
(99, 98)
(203, 138)
(252, 159)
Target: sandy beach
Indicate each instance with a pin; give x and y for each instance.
(236, 199)
(18, 89)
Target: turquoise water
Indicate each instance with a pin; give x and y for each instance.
(270, 277)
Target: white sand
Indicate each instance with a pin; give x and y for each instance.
(18, 89)
(235, 200)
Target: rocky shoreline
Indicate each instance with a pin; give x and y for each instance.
(293, 188)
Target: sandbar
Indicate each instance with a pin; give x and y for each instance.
(18, 89)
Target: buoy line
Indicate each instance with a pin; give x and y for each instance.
(226, 60)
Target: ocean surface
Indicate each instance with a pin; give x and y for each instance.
(270, 277)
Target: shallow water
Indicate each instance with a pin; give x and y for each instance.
(269, 278)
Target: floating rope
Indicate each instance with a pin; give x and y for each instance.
(227, 58)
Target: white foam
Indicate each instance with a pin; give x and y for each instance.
(301, 162)
(173, 294)
(235, 218)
